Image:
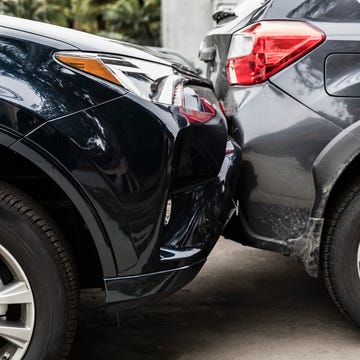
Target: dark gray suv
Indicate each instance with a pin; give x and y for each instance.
(288, 72)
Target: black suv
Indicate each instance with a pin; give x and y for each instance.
(288, 72)
(116, 171)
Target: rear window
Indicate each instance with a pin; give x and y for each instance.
(327, 10)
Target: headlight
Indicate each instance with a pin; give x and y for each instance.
(135, 75)
(152, 81)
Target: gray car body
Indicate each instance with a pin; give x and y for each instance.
(299, 131)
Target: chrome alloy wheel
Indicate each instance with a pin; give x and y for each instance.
(17, 308)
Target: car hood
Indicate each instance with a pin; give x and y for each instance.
(87, 42)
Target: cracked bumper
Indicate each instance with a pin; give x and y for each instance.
(186, 242)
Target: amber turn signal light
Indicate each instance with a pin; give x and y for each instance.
(90, 65)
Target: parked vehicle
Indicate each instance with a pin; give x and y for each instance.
(116, 171)
(288, 71)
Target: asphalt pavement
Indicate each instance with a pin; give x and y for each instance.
(246, 304)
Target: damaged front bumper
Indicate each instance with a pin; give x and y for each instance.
(197, 218)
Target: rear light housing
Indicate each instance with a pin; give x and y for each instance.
(259, 51)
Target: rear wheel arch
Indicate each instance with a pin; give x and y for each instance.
(334, 167)
(340, 245)
(344, 180)
(334, 172)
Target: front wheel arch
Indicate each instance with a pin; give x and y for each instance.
(21, 167)
(38, 281)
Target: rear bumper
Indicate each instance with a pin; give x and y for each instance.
(280, 139)
(183, 252)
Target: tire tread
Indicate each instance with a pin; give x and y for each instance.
(342, 203)
(40, 221)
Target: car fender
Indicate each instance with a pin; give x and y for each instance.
(31, 152)
(334, 159)
(328, 167)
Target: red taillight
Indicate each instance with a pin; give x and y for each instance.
(262, 49)
(195, 116)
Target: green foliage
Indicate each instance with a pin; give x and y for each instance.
(29, 9)
(133, 20)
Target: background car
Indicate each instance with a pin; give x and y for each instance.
(116, 171)
(288, 71)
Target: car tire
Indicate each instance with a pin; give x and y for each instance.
(341, 252)
(38, 287)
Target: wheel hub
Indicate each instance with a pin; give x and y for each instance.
(17, 309)
(3, 307)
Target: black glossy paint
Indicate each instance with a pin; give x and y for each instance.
(149, 286)
(58, 171)
(31, 79)
(127, 178)
(119, 157)
(298, 131)
(197, 219)
(131, 154)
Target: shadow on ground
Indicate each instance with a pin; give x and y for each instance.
(245, 304)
